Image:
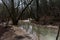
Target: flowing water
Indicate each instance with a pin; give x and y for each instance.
(45, 32)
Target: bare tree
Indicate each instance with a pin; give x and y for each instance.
(12, 12)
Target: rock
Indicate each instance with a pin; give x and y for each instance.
(18, 31)
(15, 34)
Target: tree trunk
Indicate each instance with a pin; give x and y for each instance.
(37, 11)
(58, 33)
(15, 22)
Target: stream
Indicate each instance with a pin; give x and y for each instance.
(46, 32)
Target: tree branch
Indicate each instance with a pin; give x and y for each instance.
(24, 10)
(6, 8)
(58, 33)
(18, 6)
